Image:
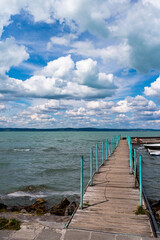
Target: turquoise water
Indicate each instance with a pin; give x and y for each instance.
(47, 164)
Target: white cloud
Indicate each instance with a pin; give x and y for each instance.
(134, 104)
(80, 112)
(99, 105)
(87, 73)
(64, 40)
(118, 54)
(55, 81)
(59, 68)
(2, 107)
(154, 89)
(122, 107)
(11, 54)
(135, 36)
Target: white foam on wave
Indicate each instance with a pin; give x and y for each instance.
(69, 193)
(25, 194)
(40, 194)
(21, 149)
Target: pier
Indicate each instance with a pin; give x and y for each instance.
(111, 199)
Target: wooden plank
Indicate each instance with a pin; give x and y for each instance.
(111, 202)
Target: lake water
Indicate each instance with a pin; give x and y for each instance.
(47, 164)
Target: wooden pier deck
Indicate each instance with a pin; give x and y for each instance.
(110, 204)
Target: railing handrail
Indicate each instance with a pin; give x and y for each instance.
(110, 147)
(154, 225)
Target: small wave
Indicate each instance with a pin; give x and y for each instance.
(21, 149)
(21, 194)
(51, 171)
(34, 188)
(26, 194)
(50, 149)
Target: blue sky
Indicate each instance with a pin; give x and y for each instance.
(66, 63)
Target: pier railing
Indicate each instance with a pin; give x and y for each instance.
(133, 166)
(136, 169)
(107, 148)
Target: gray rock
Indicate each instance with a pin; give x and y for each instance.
(23, 211)
(3, 206)
(70, 209)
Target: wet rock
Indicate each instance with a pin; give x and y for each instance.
(23, 211)
(37, 207)
(3, 206)
(14, 209)
(155, 204)
(60, 208)
(47, 214)
(70, 208)
(158, 214)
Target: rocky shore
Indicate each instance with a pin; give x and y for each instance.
(64, 208)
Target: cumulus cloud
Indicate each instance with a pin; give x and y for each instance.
(64, 40)
(154, 89)
(59, 80)
(11, 54)
(99, 105)
(59, 68)
(80, 112)
(118, 54)
(87, 73)
(135, 36)
(132, 104)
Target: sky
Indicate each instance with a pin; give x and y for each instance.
(83, 63)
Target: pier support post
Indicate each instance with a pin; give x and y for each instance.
(106, 149)
(135, 166)
(97, 158)
(91, 167)
(140, 179)
(131, 161)
(102, 152)
(81, 183)
(109, 152)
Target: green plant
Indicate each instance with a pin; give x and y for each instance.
(9, 224)
(141, 211)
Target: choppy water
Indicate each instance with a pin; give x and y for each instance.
(47, 164)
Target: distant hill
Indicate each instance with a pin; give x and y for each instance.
(71, 129)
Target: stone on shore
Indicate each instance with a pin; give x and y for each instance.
(70, 208)
(59, 209)
(37, 207)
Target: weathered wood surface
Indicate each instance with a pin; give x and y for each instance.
(110, 204)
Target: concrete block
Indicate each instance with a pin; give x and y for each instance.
(28, 231)
(47, 234)
(128, 237)
(4, 235)
(102, 236)
(76, 235)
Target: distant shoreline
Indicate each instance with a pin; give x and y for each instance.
(72, 129)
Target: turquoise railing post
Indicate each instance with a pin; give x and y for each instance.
(131, 162)
(102, 152)
(91, 167)
(109, 152)
(135, 166)
(111, 146)
(140, 179)
(106, 149)
(81, 183)
(97, 158)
